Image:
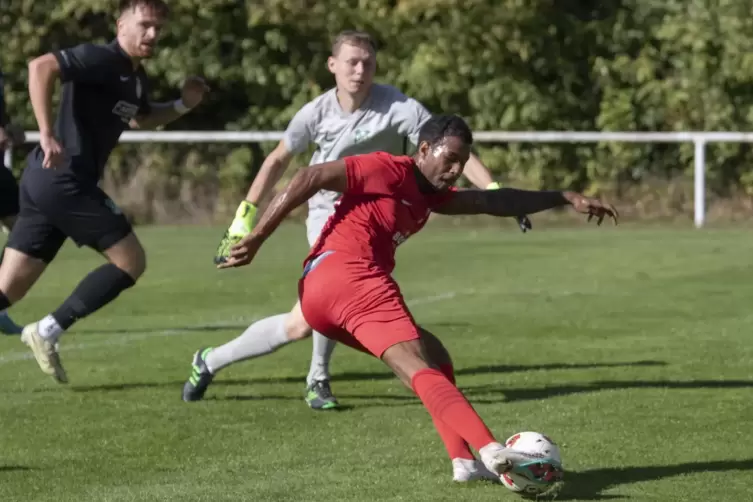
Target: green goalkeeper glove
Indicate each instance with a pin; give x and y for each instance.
(241, 226)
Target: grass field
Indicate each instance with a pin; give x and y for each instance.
(631, 347)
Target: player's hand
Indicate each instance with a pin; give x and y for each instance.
(592, 207)
(242, 253)
(193, 91)
(53, 152)
(4, 138)
(242, 225)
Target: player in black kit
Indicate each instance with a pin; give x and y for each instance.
(105, 90)
(9, 135)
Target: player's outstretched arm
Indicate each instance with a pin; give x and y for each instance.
(159, 114)
(511, 202)
(478, 174)
(269, 174)
(306, 182)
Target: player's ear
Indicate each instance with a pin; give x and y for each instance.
(331, 64)
(119, 21)
(423, 150)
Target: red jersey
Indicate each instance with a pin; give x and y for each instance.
(380, 209)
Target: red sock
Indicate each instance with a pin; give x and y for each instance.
(455, 445)
(446, 404)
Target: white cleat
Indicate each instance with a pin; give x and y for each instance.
(465, 470)
(499, 459)
(45, 352)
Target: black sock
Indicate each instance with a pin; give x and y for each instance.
(97, 289)
(4, 302)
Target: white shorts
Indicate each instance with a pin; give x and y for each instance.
(315, 222)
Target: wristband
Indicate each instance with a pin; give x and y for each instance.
(180, 107)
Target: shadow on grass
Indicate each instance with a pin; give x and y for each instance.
(588, 485)
(14, 468)
(367, 376)
(526, 394)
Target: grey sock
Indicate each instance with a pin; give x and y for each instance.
(320, 356)
(262, 337)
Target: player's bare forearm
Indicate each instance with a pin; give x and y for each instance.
(477, 173)
(269, 175)
(43, 72)
(503, 202)
(159, 115)
(306, 182)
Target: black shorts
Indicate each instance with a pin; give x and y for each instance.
(8, 192)
(55, 205)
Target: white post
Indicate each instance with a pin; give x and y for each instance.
(700, 180)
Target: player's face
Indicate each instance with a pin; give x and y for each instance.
(139, 30)
(443, 163)
(353, 67)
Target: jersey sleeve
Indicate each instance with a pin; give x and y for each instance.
(436, 200)
(301, 129)
(373, 173)
(83, 63)
(413, 115)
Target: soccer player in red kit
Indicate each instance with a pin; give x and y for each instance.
(347, 292)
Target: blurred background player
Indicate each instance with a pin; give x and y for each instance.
(105, 90)
(10, 135)
(356, 117)
(347, 291)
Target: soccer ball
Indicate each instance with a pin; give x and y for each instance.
(532, 442)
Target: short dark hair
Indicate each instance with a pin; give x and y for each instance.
(351, 37)
(159, 6)
(439, 127)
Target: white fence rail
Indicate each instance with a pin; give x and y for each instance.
(699, 139)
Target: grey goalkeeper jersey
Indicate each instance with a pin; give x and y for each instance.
(387, 121)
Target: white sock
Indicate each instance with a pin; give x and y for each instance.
(321, 353)
(262, 337)
(49, 329)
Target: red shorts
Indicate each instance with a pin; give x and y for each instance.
(354, 302)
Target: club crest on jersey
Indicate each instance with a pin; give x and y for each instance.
(399, 238)
(359, 136)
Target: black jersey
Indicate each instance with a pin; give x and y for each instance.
(101, 93)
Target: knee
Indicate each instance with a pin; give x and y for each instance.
(132, 261)
(18, 274)
(406, 359)
(296, 327)
(436, 352)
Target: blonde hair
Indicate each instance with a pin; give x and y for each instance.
(351, 37)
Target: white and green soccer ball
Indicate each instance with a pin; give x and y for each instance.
(534, 443)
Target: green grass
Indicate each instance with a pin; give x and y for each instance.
(631, 347)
